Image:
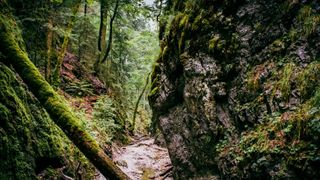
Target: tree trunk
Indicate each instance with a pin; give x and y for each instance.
(85, 7)
(103, 25)
(109, 46)
(63, 50)
(49, 51)
(10, 46)
(137, 104)
(102, 34)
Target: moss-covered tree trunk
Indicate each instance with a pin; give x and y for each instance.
(10, 47)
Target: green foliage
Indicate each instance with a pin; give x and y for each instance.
(308, 79)
(215, 42)
(285, 140)
(308, 20)
(134, 50)
(284, 84)
(105, 118)
(316, 98)
(289, 139)
(56, 1)
(81, 88)
(54, 104)
(128, 64)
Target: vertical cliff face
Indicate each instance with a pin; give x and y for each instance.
(236, 88)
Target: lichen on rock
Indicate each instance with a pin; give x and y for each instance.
(235, 100)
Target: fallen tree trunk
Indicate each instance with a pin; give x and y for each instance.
(60, 113)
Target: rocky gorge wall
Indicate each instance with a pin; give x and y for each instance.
(235, 91)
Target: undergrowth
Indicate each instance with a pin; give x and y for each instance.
(105, 118)
(284, 141)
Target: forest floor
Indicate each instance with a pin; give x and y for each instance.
(143, 159)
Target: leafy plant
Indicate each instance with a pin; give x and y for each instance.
(81, 88)
(104, 118)
(308, 20)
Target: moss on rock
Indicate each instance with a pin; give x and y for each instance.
(259, 109)
(30, 142)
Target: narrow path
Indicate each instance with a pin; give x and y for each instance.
(142, 159)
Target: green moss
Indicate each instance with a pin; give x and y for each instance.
(308, 79)
(304, 13)
(184, 21)
(282, 138)
(254, 76)
(214, 42)
(175, 25)
(310, 25)
(154, 91)
(52, 102)
(277, 45)
(28, 134)
(147, 174)
(165, 54)
(315, 101)
(184, 31)
(182, 42)
(154, 73)
(196, 23)
(293, 34)
(308, 20)
(258, 26)
(4, 111)
(155, 80)
(284, 84)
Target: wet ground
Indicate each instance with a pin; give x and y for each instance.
(143, 159)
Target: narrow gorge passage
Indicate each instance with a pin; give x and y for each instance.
(231, 87)
(143, 159)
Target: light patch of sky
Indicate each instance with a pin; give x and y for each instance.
(151, 24)
(149, 2)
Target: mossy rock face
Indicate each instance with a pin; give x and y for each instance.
(31, 144)
(234, 87)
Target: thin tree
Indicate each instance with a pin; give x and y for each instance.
(137, 103)
(102, 33)
(63, 50)
(109, 46)
(49, 50)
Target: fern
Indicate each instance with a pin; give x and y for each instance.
(81, 88)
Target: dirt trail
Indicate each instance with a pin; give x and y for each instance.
(142, 159)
